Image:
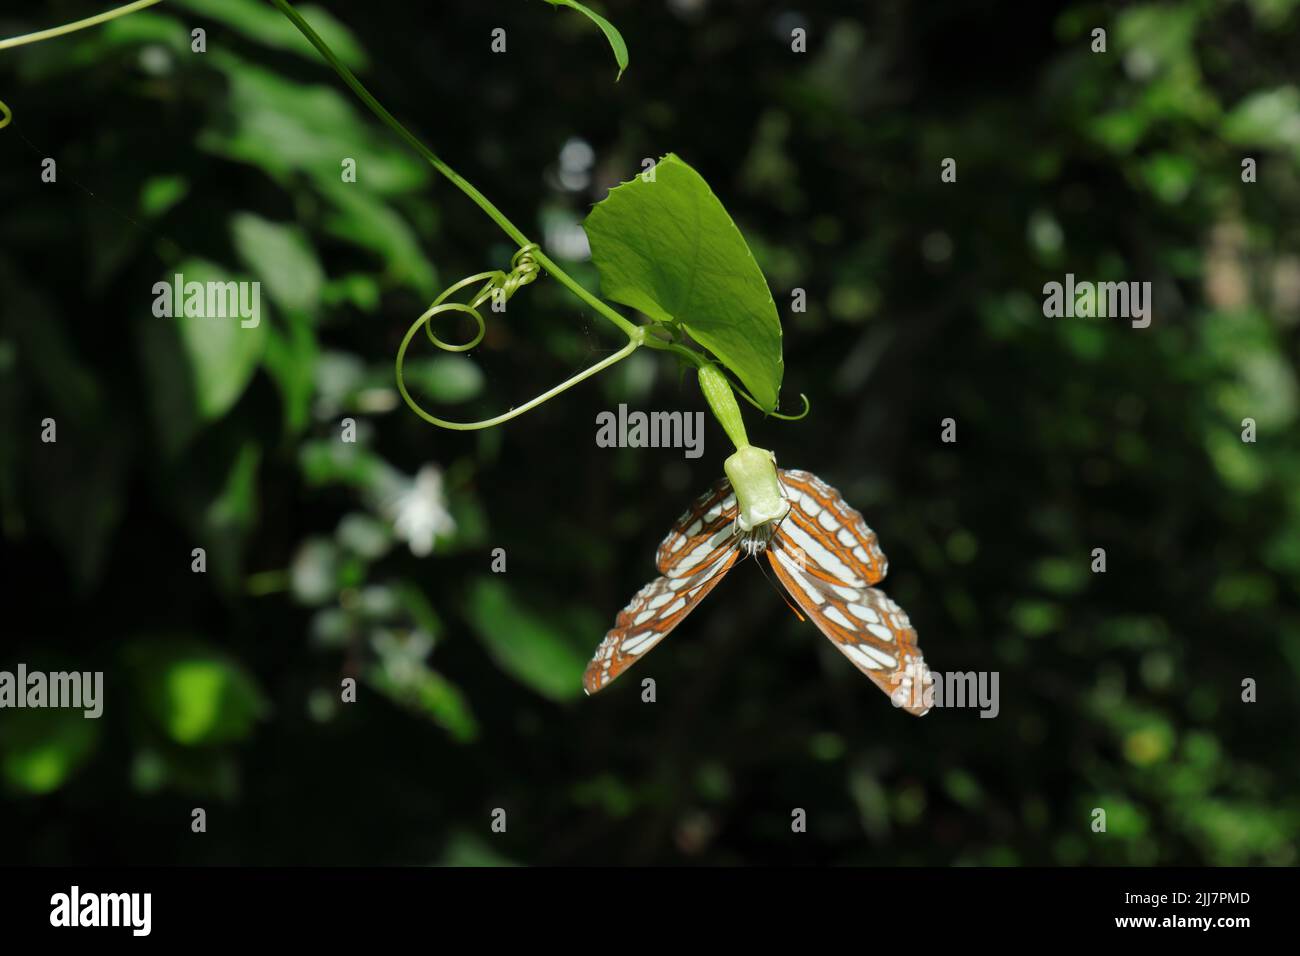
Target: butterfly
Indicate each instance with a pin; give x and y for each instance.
(822, 552)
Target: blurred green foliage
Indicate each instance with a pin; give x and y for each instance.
(372, 560)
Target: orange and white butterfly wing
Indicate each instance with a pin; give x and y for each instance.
(694, 557)
(698, 538)
(827, 558)
(828, 528)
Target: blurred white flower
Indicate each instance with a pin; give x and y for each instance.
(402, 656)
(418, 510)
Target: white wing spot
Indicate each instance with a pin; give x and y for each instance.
(824, 559)
(864, 613)
(854, 653)
(700, 552)
(640, 643)
(834, 614)
(814, 595)
(888, 660)
(884, 633)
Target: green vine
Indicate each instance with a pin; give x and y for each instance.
(76, 25)
(528, 262)
(6, 114)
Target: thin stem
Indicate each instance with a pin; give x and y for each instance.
(564, 386)
(495, 214)
(807, 405)
(77, 24)
(688, 355)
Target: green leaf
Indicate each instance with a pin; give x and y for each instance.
(234, 510)
(259, 22)
(668, 248)
(161, 193)
(1266, 118)
(200, 772)
(214, 490)
(41, 748)
(290, 360)
(365, 221)
(447, 705)
(281, 258)
(432, 694)
(330, 461)
(464, 850)
(282, 127)
(354, 289)
(611, 32)
(445, 378)
(526, 645)
(94, 46)
(222, 353)
(193, 693)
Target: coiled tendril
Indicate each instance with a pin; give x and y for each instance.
(524, 268)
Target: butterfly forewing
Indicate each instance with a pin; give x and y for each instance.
(839, 544)
(701, 535)
(827, 558)
(701, 548)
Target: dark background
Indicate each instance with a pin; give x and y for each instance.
(1120, 691)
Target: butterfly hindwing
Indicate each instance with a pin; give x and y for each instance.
(692, 559)
(827, 558)
(649, 617)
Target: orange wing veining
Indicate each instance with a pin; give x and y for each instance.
(827, 558)
(693, 558)
(826, 518)
(650, 617)
(682, 551)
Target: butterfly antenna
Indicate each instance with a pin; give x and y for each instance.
(779, 590)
